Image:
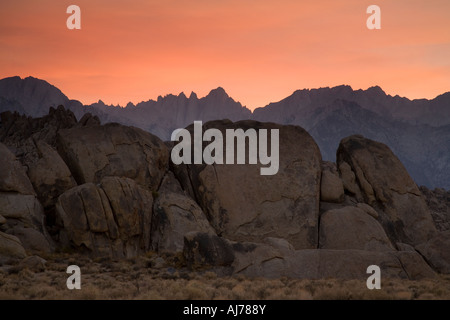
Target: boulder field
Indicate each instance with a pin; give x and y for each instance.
(112, 191)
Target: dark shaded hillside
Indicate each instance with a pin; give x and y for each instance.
(421, 148)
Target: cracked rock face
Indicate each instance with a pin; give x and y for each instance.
(22, 214)
(331, 186)
(107, 192)
(10, 247)
(48, 173)
(386, 185)
(437, 252)
(13, 177)
(438, 200)
(243, 205)
(109, 219)
(174, 215)
(94, 152)
(340, 264)
(275, 259)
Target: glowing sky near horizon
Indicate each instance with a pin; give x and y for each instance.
(260, 51)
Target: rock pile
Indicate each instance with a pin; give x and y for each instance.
(111, 190)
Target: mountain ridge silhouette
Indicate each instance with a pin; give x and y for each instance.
(418, 130)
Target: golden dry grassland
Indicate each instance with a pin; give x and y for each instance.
(142, 278)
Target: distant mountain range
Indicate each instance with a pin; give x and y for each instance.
(418, 131)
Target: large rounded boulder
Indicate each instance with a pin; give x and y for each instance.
(244, 205)
(386, 185)
(97, 151)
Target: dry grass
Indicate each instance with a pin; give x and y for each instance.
(137, 279)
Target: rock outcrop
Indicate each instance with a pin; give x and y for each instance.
(109, 219)
(206, 250)
(112, 191)
(16, 128)
(437, 252)
(331, 186)
(94, 152)
(33, 140)
(438, 201)
(49, 174)
(174, 215)
(416, 129)
(21, 212)
(243, 205)
(10, 247)
(341, 264)
(275, 261)
(352, 228)
(386, 185)
(13, 177)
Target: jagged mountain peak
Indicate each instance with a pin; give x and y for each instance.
(417, 130)
(193, 96)
(376, 90)
(219, 92)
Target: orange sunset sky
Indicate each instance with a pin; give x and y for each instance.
(260, 51)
